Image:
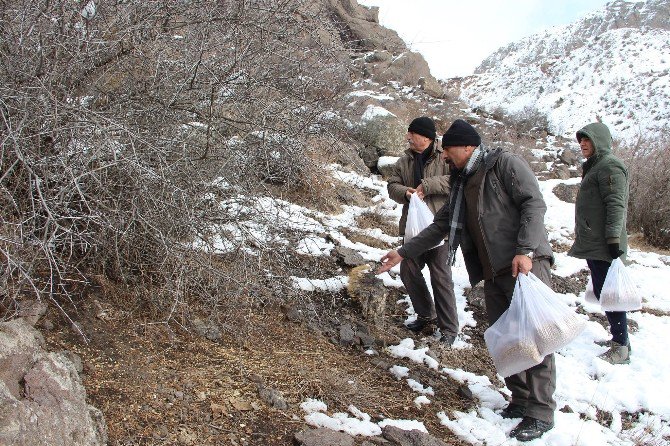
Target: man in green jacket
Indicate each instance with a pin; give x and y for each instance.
(422, 171)
(600, 223)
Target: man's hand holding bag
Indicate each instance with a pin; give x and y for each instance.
(619, 292)
(537, 323)
(419, 217)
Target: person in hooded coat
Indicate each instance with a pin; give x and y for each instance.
(600, 223)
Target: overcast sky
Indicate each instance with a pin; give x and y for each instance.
(454, 37)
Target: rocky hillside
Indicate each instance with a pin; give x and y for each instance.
(612, 64)
(234, 360)
(380, 54)
(70, 380)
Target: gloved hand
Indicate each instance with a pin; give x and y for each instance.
(614, 250)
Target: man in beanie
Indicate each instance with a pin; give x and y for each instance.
(422, 171)
(600, 223)
(496, 215)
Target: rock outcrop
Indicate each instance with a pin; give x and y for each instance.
(384, 55)
(42, 399)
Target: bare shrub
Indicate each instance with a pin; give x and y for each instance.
(374, 220)
(649, 202)
(529, 119)
(122, 126)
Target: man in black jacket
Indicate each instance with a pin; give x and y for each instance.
(496, 215)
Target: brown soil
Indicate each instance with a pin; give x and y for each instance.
(637, 241)
(159, 384)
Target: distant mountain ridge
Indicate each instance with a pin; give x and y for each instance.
(612, 65)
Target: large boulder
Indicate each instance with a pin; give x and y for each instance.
(381, 135)
(360, 27)
(20, 345)
(386, 165)
(389, 58)
(323, 437)
(566, 192)
(408, 68)
(570, 157)
(561, 172)
(401, 437)
(42, 399)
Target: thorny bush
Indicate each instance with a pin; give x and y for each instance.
(124, 125)
(649, 203)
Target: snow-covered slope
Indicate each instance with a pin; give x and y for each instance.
(613, 64)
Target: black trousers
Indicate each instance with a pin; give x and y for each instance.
(533, 388)
(444, 306)
(616, 319)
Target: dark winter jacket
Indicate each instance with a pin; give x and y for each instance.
(511, 218)
(435, 182)
(602, 201)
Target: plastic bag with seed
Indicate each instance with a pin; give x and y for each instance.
(537, 323)
(619, 292)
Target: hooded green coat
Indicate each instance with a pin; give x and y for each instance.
(602, 201)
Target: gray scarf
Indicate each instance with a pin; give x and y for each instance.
(457, 201)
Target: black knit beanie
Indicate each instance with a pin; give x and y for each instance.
(461, 134)
(423, 126)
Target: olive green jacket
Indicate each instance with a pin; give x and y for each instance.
(435, 182)
(602, 201)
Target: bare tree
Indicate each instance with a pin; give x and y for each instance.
(124, 124)
(649, 203)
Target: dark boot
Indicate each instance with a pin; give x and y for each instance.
(447, 340)
(513, 411)
(530, 429)
(419, 324)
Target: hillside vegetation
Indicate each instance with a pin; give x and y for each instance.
(164, 167)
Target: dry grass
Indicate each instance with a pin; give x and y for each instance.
(373, 242)
(158, 384)
(373, 220)
(655, 312)
(638, 241)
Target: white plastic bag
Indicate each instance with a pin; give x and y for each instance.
(510, 340)
(419, 218)
(556, 324)
(536, 324)
(619, 292)
(590, 295)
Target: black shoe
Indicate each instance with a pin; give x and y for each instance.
(513, 411)
(447, 340)
(419, 324)
(530, 429)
